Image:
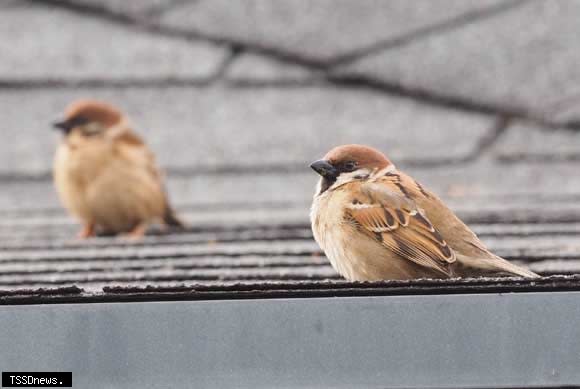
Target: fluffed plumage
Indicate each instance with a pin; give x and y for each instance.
(375, 222)
(106, 175)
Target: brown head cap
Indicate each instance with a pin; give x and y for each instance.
(94, 111)
(363, 156)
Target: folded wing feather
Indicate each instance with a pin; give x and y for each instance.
(399, 225)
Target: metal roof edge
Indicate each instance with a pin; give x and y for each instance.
(445, 341)
(277, 290)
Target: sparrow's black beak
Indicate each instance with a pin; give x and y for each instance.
(62, 125)
(325, 169)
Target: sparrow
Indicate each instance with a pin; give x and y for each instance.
(375, 222)
(105, 174)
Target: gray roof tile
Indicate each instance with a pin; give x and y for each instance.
(257, 127)
(64, 46)
(319, 29)
(526, 57)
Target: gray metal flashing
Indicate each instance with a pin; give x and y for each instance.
(439, 341)
(253, 289)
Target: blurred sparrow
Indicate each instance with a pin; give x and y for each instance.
(375, 222)
(106, 175)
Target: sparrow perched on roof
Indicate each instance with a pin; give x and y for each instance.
(106, 175)
(374, 222)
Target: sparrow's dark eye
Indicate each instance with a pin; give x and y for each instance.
(78, 121)
(349, 166)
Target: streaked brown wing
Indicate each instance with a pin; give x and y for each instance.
(398, 224)
(131, 147)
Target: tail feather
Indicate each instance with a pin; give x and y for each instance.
(171, 219)
(520, 271)
(495, 266)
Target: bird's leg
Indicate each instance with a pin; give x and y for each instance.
(137, 232)
(88, 231)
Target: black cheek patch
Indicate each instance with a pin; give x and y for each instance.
(326, 183)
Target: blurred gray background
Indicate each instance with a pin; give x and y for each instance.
(480, 100)
(477, 99)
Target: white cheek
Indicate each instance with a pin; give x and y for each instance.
(92, 128)
(318, 187)
(359, 174)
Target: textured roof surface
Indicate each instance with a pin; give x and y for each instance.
(236, 105)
